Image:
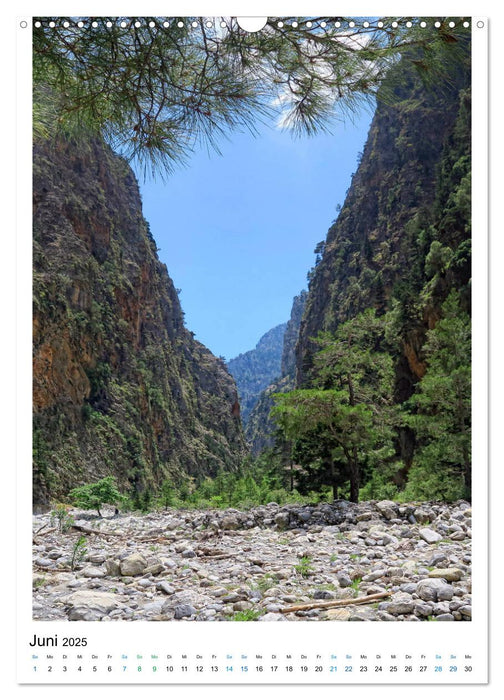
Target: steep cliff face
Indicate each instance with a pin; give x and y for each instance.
(255, 369)
(259, 428)
(291, 335)
(119, 384)
(407, 206)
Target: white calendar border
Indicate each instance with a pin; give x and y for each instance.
(476, 629)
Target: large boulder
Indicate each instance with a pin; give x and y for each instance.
(134, 565)
(434, 589)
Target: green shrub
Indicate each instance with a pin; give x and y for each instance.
(94, 496)
(425, 483)
(167, 494)
(246, 615)
(61, 515)
(304, 567)
(78, 553)
(381, 486)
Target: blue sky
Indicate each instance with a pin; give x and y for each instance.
(237, 230)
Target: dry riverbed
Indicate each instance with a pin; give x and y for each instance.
(414, 560)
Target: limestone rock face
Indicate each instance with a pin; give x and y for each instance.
(404, 197)
(259, 427)
(256, 369)
(120, 386)
(395, 191)
(291, 335)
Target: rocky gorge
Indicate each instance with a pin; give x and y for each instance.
(341, 561)
(120, 386)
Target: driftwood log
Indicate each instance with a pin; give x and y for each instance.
(91, 531)
(337, 603)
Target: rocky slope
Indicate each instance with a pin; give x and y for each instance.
(259, 428)
(288, 367)
(255, 369)
(119, 384)
(411, 192)
(412, 560)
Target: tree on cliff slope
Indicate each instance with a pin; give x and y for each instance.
(441, 410)
(346, 422)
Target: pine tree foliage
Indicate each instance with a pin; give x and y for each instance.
(440, 410)
(346, 421)
(155, 92)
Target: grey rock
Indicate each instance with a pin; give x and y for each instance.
(165, 587)
(437, 558)
(422, 609)
(57, 554)
(133, 565)
(421, 516)
(174, 524)
(145, 583)
(289, 598)
(465, 611)
(303, 515)
(374, 575)
(402, 605)
(363, 615)
(385, 616)
(429, 535)
(97, 603)
(388, 509)
(41, 561)
(272, 617)
(458, 536)
(86, 614)
(170, 564)
(451, 574)
(154, 568)
(93, 572)
(97, 558)
(230, 522)
(184, 610)
(113, 567)
(367, 515)
(188, 553)
(219, 592)
(435, 589)
(153, 608)
(445, 617)
(441, 608)
(282, 521)
(231, 597)
(344, 580)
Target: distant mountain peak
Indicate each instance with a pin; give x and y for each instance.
(255, 369)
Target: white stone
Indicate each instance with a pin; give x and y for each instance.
(430, 536)
(99, 600)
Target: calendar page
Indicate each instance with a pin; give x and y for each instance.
(252, 350)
